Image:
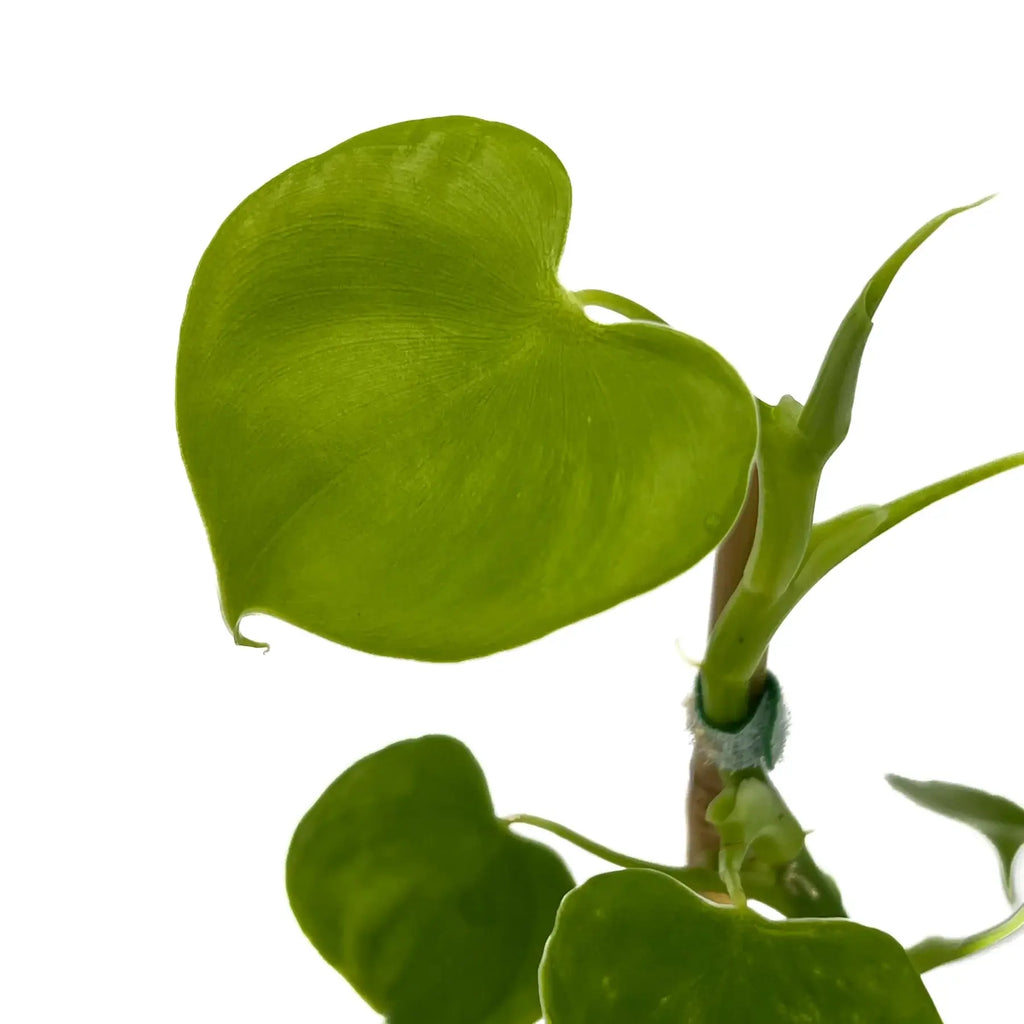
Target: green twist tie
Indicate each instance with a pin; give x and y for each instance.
(755, 741)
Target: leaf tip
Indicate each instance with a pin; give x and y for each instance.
(243, 641)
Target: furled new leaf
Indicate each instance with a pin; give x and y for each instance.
(405, 882)
(1000, 820)
(751, 814)
(825, 419)
(637, 946)
(405, 435)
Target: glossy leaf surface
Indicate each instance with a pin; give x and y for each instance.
(637, 946)
(405, 435)
(405, 882)
(796, 442)
(1000, 820)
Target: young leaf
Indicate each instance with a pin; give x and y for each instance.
(1000, 820)
(405, 435)
(405, 882)
(795, 443)
(751, 814)
(752, 819)
(825, 419)
(934, 952)
(637, 946)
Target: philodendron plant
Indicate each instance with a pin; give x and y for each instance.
(405, 435)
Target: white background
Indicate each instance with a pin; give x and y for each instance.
(739, 168)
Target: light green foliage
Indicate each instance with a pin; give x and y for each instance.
(1001, 821)
(790, 552)
(753, 617)
(825, 420)
(636, 946)
(788, 476)
(405, 435)
(762, 853)
(752, 819)
(405, 881)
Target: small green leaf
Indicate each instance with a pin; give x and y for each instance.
(752, 814)
(405, 435)
(753, 821)
(934, 952)
(825, 420)
(636, 946)
(405, 882)
(1000, 820)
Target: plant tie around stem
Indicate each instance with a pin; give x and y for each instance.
(755, 741)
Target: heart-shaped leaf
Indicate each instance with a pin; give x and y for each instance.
(1000, 820)
(636, 946)
(405, 435)
(405, 882)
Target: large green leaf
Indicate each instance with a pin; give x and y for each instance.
(1000, 820)
(636, 946)
(406, 883)
(405, 435)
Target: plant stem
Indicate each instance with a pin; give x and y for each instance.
(707, 882)
(694, 878)
(705, 781)
(617, 304)
(935, 952)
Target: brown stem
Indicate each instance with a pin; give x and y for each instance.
(705, 781)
